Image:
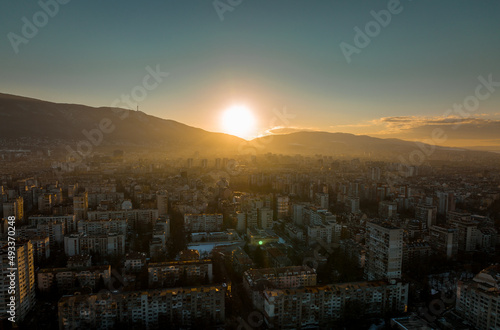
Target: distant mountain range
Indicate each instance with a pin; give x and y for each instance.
(27, 121)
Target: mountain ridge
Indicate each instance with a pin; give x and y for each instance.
(29, 119)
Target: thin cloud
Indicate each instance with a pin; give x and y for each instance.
(481, 129)
(288, 130)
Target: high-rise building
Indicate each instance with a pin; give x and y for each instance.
(15, 208)
(298, 213)
(23, 282)
(446, 202)
(426, 214)
(41, 248)
(352, 204)
(265, 218)
(162, 202)
(45, 202)
(375, 173)
(467, 233)
(384, 251)
(81, 206)
(282, 205)
(322, 200)
(444, 240)
(387, 209)
(252, 217)
(241, 219)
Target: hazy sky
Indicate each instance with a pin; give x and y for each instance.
(269, 55)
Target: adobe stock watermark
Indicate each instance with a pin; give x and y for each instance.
(459, 111)
(30, 28)
(223, 6)
(482, 92)
(438, 306)
(313, 261)
(251, 147)
(95, 136)
(231, 169)
(254, 320)
(372, 29)
(115, 284)
(107, 296)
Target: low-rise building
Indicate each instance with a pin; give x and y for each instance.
(257, 280)
(194, 223)
(135, 261)
(172, 273)
(65, 279)
(79, 261)
(104, 244)
(320, 306)
(187, 307)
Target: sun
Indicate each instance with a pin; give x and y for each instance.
(238, 120)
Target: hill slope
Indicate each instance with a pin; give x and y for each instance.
(46, 122)
(30, 122)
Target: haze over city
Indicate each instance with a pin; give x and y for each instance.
(250, 164)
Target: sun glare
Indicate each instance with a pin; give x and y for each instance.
(239, 120)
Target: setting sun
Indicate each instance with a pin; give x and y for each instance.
(238, 120)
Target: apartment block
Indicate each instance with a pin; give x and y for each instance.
(478, 300)
(444, 240)
(187, 307)
(24, 279)
(320, 306)
(202, 222)
(104, 244)
(171, 273)
(71, 278)
(95, 227)
(384, 251)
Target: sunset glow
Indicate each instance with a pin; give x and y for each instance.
(238, 120)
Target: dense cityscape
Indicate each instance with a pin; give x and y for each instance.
(250, 165)
(250, 242)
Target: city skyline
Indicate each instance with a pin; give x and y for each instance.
(231, 164)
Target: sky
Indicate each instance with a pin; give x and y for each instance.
(294, 64)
